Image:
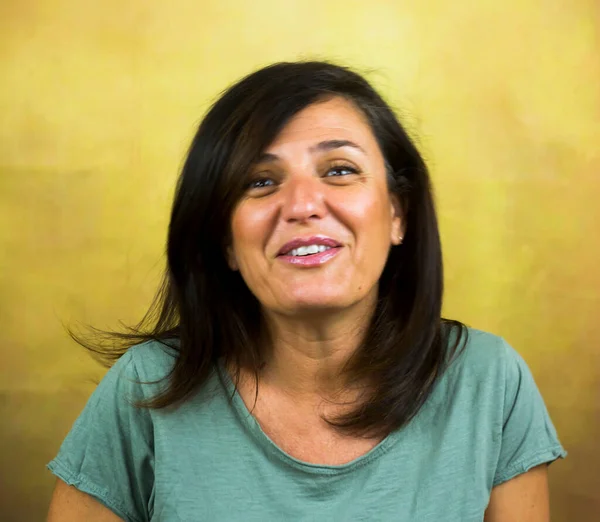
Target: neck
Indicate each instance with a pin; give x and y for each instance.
(309, 352)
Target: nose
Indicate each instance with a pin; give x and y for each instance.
(304, 199)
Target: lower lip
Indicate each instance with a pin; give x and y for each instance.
(312, 259)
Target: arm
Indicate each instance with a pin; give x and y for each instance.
(524, 497)
(71, 505)
(108, 454)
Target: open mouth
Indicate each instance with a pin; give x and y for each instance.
(308, 246)
(310, 251)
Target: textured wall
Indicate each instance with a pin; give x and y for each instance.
(98, 101)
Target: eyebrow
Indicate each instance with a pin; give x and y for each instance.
(323, 146)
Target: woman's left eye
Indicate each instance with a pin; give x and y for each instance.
(341, 171)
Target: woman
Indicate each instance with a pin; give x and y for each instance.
(296, 365)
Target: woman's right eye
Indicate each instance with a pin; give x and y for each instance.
(261, 182)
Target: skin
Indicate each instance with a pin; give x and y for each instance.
(318, 316)
(71, 505)
(525, 497)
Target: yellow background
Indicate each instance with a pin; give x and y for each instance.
(98, 101)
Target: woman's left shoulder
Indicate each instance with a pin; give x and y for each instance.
(485, 355)
(488, 393)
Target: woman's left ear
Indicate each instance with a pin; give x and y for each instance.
(231, 260)
(397, 228)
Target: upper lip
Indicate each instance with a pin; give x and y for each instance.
(306, 241)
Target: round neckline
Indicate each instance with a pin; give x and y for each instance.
(250, 422)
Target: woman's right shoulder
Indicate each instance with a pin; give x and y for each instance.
(145, 370)
(152, 360)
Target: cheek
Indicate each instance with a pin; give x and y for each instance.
(367, 215)
(249, 229)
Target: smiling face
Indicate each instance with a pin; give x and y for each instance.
(314, 227)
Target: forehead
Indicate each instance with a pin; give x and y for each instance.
(336, 118)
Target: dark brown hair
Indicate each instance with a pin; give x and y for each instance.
(206, 312)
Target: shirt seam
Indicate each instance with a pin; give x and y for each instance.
(266, 444)
(77, 480)
(529, 461)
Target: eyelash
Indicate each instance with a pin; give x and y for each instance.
(254, 184)
(350, 169)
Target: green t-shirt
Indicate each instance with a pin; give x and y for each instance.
(209, 460)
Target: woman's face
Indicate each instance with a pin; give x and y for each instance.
(314, 227)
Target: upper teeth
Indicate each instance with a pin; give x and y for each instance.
(307, 250)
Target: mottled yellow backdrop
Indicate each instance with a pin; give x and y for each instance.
(98, 101)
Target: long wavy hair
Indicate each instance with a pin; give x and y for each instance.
(206, 313)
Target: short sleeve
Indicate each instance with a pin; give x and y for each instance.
(528, 436)
(108, 453)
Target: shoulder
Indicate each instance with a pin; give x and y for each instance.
(148, 367)
(482, 353)
(487, 370)
(152, 360)
(139, 373)
(484, 368)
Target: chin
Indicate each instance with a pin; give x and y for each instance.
(304, 301)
